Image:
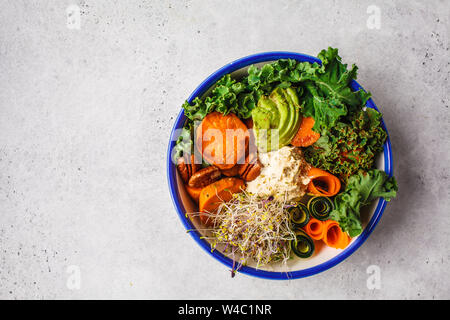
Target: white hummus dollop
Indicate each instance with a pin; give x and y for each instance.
(284, 175)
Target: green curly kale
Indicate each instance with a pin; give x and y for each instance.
(324, 90)
(327, 95)
(184, 143)
(350, 145)
(227, 96)
(362, 188)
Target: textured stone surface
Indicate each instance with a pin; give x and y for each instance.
(85, 116)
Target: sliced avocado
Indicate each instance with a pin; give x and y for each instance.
(265, 118)
(266, 114)
(291, 95)
(276, 119)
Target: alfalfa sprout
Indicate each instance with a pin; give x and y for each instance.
(251, 228)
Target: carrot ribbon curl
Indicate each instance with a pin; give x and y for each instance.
(323, 183)
(333, 235)
(315, 229)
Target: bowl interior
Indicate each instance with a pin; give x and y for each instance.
(325, 257)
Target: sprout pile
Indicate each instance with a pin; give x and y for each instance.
(251, 228)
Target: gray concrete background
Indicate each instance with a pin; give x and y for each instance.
(85, 116)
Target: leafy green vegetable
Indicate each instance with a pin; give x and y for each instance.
(184, 143)
(328, 95)
(350, 145)
(324, 90)
(227, 96)
(362, 188)
(283, 73)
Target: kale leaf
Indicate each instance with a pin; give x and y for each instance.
(323, 88)
(328, 95)
(362, 188)
(227, 96)
(351, 145)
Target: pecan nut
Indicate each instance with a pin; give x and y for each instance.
(204, 177)
(231, 172)
(187, 167)
(251, 169)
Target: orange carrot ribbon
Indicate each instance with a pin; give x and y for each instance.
(315, 229)
(323, 183)
(333, 235)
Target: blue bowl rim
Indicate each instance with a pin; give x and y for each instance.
(171, 174)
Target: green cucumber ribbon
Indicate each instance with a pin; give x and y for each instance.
(320, 207)
(302, 245)
(299, 215)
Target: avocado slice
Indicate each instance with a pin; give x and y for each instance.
(276, 119)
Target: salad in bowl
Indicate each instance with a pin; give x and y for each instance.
(280, 164)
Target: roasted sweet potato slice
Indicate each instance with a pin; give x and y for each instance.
(213, 195)
(222, 140)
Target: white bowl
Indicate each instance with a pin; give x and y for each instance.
(326, 257)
